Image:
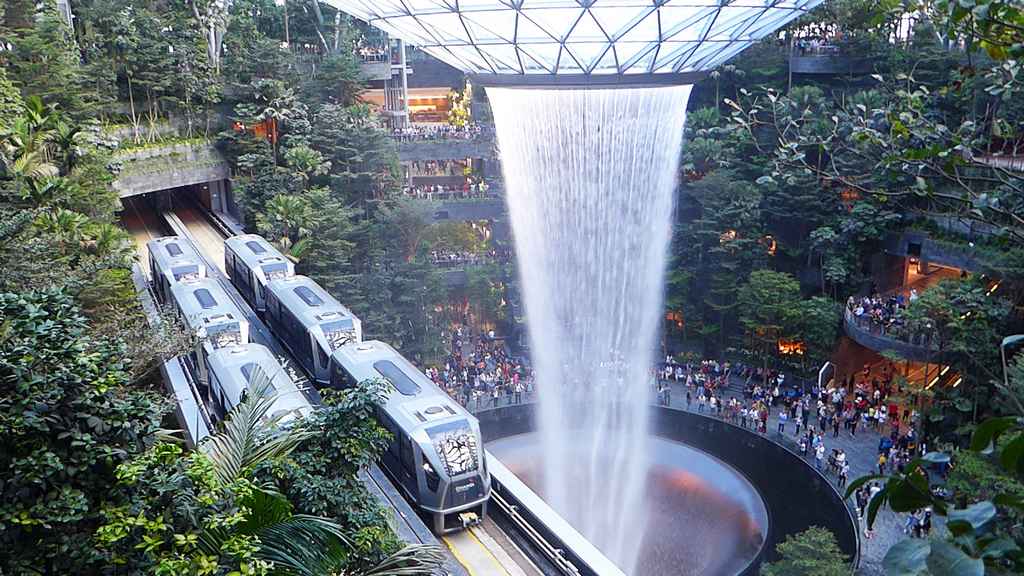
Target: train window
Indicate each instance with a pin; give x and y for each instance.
(173, 249)
(205, 299)
(308, 296)
(275, 271)
(396, 377)
(456, 444)
(323, 356)
(256, 247)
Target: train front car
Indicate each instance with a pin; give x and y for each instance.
(173, 259)
(436, 455)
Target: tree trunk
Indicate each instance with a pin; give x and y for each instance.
(135, 117)
(287, 36)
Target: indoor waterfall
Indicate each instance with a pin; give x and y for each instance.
(591, 177)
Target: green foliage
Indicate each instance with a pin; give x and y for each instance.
(813, 552)
(322, 475)
(767, 305)
(69, 419)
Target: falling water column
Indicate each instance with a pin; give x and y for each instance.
(590, 177)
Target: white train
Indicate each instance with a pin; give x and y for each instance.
(233, 370)
(173, 259)
(252, 262)
(436, 455)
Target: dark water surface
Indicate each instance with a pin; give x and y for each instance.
(703, 518)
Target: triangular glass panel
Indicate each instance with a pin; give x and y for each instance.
(642, 64)
(629, 51)
(472, 60)
(386, 7)
(409, 28)
(636, 30)
(770, 22)
(587, 53)
(684, 23)
(426, 6)
(502, 56)
(531, 64)
(618, 19)
(587, 30)
(607, 64)
(729, 19)
(527, 31)
(444, 55)
(556, 21)
(672, 52)
(524, 4)
(546, 54)
(491, 25)
(447, 26)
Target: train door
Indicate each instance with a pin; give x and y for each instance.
(407, 470)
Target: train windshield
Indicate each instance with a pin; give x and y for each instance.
(339, 332)
(226, 334)
(186, 273)
(456, 444)
(275, 271)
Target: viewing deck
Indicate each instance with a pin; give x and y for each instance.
(877, 337)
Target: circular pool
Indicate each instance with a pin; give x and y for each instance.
(703, 517)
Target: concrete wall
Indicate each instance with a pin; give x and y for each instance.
(962, 256)
(161, 168)
(830, 65)
(463, 210)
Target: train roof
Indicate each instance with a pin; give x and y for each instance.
(413, 400)
(203, 302)
(235, 367)
(310, 303)
(170, 251)
(256, 251)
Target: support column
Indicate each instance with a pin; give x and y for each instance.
(404, 75)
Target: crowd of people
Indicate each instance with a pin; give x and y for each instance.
(456, 258)
(479, 372)
(435, 132)
(878, 313)
(469, 189)
(438, 168)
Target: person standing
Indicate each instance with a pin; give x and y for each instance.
(819, 456)
(782, 422)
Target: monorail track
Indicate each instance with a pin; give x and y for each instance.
(482, 550)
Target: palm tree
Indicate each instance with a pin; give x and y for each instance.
(297, 544)
(67, 226)
(287, 216)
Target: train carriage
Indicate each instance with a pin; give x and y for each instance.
(252, 262)
(310, 323)
(436, 455)
(211, 317)
(233, 369)
(173, 259)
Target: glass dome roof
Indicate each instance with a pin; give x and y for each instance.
(579, 37)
